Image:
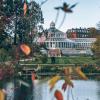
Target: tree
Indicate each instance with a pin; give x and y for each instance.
(98, 25)
(20, 25)
(3, 21)
(13, 20)
(96, 47)
(93, 32)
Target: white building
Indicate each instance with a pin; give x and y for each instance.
(83, 43)
(58, 40)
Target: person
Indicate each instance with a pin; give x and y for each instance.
(53, 60)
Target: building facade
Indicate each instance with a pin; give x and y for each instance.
(57, 39)
(79, 33)
(83, 43)
(70, 43)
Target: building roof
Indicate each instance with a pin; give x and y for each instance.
(57, 35)
(52, 25)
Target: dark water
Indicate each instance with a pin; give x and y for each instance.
(25, 90)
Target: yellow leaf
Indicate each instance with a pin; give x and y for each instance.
(80, 73)
(53, 81)
(2, 95)
(69, 82)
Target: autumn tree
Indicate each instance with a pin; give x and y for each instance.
(96, 47)
(3, 20)
(13, 21)
(93, 32)
(19, 24)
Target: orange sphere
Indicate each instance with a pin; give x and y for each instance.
(25, 49)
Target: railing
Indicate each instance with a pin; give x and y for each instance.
(52, 73)
(28, 68)
(48, 64)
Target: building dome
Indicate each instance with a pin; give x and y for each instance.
(52, 25)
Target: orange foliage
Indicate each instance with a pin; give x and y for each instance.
(25, 49)
(58, 95)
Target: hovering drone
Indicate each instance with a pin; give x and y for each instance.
(66, 8)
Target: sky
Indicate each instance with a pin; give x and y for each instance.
(86, 14)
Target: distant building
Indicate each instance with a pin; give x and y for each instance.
(57, 39)
(83, 43)
(76, 41)
(84, 38)
(79, 33)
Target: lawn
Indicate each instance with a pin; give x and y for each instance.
(74, 60)
(66, 60)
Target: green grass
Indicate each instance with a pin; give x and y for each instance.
(74, 60)
(68, 60)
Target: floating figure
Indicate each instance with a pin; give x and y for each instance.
(69, 82)
(64, 86)
(80, 73)
(66, 9)
(25, 49)
(25, 8)
(58, 95)
(53, 81)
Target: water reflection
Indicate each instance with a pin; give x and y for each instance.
(86, 90)
(41, 90)
(25, 90)
(8, 89)
(98, 90)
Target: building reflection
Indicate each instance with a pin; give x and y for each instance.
(9, 90)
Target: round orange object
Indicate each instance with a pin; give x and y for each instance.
(58, 95)
(25, 49)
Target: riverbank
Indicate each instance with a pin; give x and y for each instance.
(10, 69)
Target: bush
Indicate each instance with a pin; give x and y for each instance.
(44, 58)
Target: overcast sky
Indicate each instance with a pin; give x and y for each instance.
(85, 14)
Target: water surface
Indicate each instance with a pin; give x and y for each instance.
(25, 90)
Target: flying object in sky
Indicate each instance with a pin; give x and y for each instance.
(66, 8)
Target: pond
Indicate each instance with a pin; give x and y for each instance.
(25, 90)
